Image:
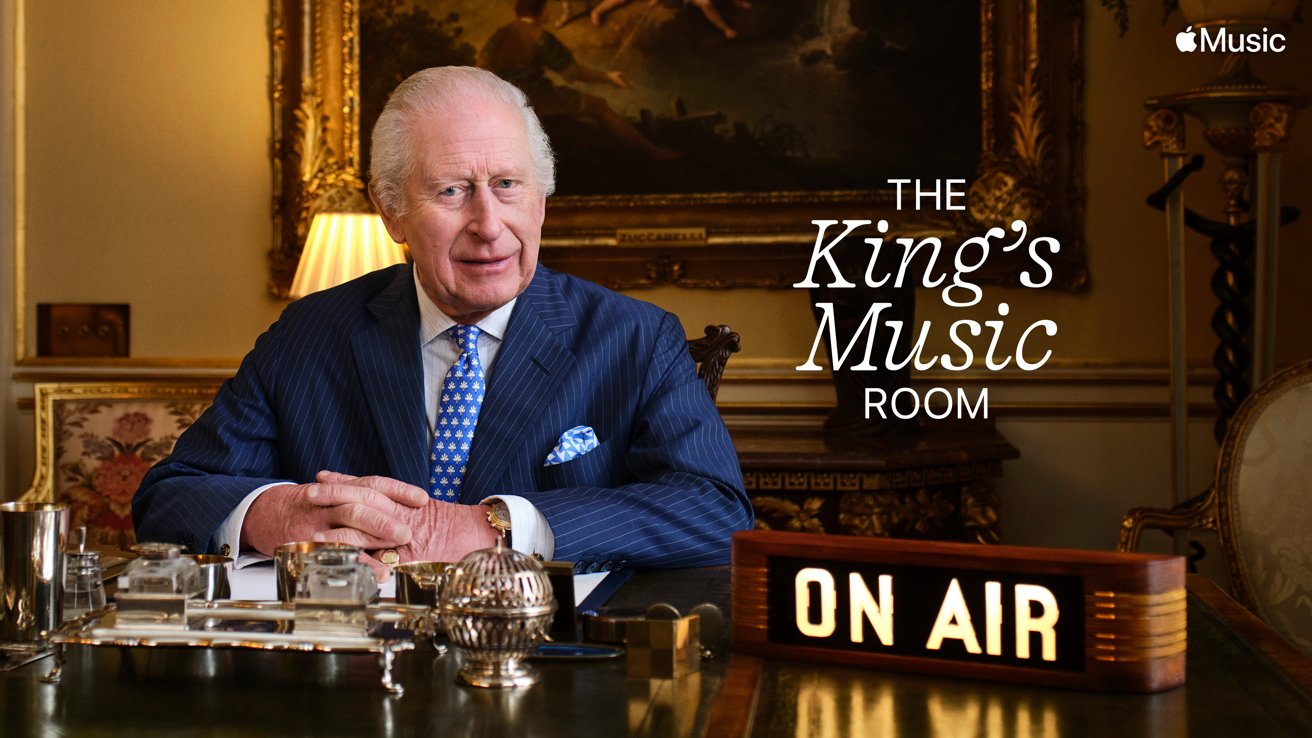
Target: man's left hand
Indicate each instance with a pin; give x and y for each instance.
(442, 531)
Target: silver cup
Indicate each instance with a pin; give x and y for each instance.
(214, 576)
(31, 569)
(289, 561)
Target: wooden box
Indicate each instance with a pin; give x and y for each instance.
(1080, 619)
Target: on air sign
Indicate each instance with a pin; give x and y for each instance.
(930, 612)
(1092, 620)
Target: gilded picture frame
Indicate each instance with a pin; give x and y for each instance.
(1029, 167)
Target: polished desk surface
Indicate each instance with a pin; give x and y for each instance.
(1233, 688)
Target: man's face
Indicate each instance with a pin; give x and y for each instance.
(474, 208)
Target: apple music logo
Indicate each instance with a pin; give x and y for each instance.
(1187, 40)
(1223, 40)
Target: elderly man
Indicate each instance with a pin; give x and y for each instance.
(419, 412)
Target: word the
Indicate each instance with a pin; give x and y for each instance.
(939, 188)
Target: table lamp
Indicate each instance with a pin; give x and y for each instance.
(341, 247)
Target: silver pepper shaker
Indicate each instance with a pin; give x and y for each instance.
(84, 582)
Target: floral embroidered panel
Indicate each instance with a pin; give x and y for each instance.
(103, 449)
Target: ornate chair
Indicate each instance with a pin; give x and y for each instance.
(711, 352)
(94, 443)
(1259, 505)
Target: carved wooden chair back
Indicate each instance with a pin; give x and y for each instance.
(711, 353)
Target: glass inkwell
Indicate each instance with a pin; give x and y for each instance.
(160, 581)
(333, 593)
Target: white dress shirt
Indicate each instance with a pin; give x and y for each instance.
(531, 534)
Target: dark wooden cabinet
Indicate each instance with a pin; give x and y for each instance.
(934, 482)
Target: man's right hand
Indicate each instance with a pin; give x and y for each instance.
(296, 512)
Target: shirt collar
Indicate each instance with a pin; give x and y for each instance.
(433, 322)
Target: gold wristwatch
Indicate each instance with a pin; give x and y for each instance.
(498, 516)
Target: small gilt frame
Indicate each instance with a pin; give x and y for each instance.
(1030, 167)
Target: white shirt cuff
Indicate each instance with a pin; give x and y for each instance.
(230, 531)
(529, 531)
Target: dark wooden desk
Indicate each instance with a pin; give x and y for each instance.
(936, 483)
(1236, 686)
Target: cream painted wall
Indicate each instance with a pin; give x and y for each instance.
(147, 181)
(148, 177)
(10, 430)
(1126, 312)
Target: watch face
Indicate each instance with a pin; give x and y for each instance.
(390, 557)
(499, 516)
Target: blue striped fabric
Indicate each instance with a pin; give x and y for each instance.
(336, 384)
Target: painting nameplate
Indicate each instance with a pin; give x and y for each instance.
(664, 237)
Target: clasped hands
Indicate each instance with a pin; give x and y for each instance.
(373, 513)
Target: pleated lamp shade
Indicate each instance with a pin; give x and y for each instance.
(341, 247)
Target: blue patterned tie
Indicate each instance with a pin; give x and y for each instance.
(457, 415)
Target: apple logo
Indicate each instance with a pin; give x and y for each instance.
(1185, 40)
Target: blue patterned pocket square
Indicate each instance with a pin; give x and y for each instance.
(573, 443)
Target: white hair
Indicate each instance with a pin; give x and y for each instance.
(431, 90)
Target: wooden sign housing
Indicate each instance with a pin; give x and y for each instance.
(1056, 617)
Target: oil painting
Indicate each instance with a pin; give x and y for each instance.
(672, 97)
(697, 140)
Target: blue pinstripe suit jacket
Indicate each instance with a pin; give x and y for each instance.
(336, 383)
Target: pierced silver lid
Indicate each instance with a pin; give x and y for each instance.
(496, 607)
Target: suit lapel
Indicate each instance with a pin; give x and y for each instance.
(391, 373)
(531, 363)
